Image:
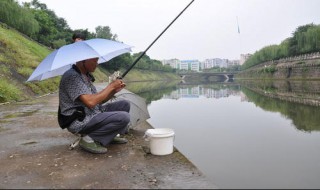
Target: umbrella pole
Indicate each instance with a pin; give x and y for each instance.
(143, 53)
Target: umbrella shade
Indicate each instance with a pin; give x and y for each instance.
(60, 60)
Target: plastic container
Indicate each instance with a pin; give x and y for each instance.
(161, 140)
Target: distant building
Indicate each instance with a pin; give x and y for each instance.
(244, 58)
(224, 63)
(233, 63)
(210, 63)
(184, 66)
(193, 65)
(174, 63)
(215, 62)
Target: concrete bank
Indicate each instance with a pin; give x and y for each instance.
(34, 153)
(306, 69)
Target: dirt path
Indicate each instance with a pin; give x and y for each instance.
(34, 153)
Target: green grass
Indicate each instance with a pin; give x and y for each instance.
(8, 91)
(4, 70)
(19, 56)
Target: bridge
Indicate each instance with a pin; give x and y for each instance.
(225, 76)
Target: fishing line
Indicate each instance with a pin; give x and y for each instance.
(143, 53)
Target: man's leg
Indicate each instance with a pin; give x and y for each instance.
(105, 126)
(121, 105)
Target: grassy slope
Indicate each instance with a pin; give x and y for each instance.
(19, 56)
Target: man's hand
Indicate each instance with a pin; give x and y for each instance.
(91, 100)
(117, 85)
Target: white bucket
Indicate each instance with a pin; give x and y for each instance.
(161, 140)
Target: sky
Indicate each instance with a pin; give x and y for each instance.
(207, 29)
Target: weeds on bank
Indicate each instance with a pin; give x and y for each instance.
(8, 91)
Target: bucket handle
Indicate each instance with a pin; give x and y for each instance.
(146, 137)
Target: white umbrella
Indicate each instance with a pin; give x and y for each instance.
(138, 107)
(60, 60)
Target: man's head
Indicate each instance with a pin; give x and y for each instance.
(88, 65)
(78, 37)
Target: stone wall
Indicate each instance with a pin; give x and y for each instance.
(302, 67)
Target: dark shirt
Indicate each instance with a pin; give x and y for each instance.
(72, 85)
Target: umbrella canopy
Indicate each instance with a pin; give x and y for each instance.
(60, 60)
(138, 107)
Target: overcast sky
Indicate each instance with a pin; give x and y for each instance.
(207, 29)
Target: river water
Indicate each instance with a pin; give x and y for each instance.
(248, 134)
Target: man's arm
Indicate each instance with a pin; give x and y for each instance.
(91, 100)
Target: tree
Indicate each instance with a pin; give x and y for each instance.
(105, 32)
(305, 39)
(54, 31)
(297, 42)
(18, 17)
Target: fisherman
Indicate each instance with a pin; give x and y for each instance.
(81, 110)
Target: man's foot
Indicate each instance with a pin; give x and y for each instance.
(119, 140)
(92, 147)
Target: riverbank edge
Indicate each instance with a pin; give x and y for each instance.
(41, 157)
(300, 69)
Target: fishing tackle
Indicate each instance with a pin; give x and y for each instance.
(143, 53)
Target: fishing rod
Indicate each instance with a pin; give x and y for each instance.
(143, 53)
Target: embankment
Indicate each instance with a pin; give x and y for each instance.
(302, 68)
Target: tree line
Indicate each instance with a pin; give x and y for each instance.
(305, 39)
(41, 24)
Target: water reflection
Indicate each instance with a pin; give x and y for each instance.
(152, 91)
(208, 91)
(246, 134)
(302, 92)
(295, 100)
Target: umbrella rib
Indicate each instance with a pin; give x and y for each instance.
(100, 56)
(60, 60)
